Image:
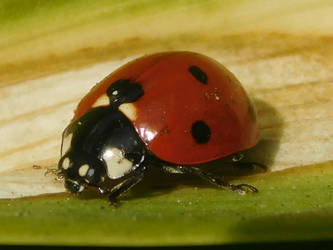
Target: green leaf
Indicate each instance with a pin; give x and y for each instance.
(294, 204)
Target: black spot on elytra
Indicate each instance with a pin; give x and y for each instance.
(124, 91)
(198, 74)
(200, 132)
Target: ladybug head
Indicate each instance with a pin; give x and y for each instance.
(80, 171)
(100, 146)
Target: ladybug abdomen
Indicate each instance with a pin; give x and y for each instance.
(193, 111)
(190, 109)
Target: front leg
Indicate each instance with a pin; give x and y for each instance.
(125, 185)
(212, 178)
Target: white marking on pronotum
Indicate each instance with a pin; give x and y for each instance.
(103, 100)
(115, 92)
(66, 143)
(83, 170)
(65, 163)
(116, 164)
(129, 110)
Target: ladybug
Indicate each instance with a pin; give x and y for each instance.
(171, 110)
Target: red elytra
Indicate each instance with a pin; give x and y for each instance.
(174, 99)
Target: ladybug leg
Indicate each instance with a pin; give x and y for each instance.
(250, 165)
(125, 185)
(212, 178)
(237, 160)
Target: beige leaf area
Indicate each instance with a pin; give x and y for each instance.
(289, 77)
